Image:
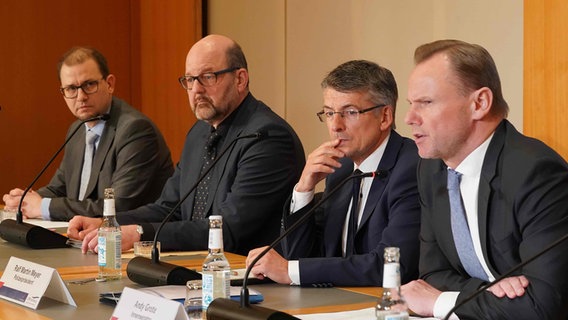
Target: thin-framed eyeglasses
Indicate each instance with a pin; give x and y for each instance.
(206, 79)
(88, 87)
(350, 114)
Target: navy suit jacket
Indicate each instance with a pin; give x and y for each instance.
(132, 157)
(391, 218)
(522, 208)
(249, 185)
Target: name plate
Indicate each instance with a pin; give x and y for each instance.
(135, 304)
(26, 283)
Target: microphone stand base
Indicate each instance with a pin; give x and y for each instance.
(30, 235)
(225, 309)
(149, 273)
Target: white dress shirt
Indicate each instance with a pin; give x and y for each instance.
(470, 168)
(301, 199)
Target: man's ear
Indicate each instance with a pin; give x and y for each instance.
(387, 117)
(482, 102)
(242, 79)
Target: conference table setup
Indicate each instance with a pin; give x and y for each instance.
(78, 272)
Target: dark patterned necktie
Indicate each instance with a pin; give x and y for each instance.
(354, 215)
(202, 191)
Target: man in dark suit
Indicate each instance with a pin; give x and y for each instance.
(249, 183)
(513, 195)
(359, 109)
(130, 154)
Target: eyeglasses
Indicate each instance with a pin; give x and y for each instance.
(206, 79)
(88, 87)
(349, 114)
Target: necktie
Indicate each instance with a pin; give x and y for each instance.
(202, 190)
(354, 214)
(91, 139)
(460, 230)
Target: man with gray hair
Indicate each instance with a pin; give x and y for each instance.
(343, 244)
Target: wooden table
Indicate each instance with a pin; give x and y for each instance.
(73, 265)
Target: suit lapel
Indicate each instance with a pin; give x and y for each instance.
(105, 142)
(488, 173)
(336, 211)
(379, 184)
(236, 128)
(76, 151)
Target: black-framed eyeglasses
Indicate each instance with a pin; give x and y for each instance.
(88, 87)
(206, 79)
(350, 114)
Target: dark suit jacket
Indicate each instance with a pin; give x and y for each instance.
(523, 207)
(249, 184)
(132, 157)
(391, 218)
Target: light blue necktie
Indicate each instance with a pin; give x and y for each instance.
(91, 139)
(460, 230)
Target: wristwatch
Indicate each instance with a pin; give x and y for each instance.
(140, 230)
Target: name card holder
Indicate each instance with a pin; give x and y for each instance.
(26, 283)
(135, 304)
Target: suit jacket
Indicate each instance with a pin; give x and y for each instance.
(391, 218)
(523, 207)
(248, 187)
(132, 157)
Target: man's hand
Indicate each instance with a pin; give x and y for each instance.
(420, 297)
(320, 163)
(31, 206)
(512, 287)
(80, 226)
(129, 236)
(272, 266)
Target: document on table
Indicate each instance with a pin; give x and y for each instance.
(363, 314)
(48, 224)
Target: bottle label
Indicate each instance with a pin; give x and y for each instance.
(109, 209)
(400, 316)
(102, 251)
(391, 275)
(114, 261)
(215, 239)
(207, 289)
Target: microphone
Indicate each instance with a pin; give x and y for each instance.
(30, 235)
(153, 272)
(505, 275)
(227, 309)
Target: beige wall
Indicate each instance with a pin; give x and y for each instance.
(292, 44)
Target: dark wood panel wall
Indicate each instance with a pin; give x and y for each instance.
(145, 43)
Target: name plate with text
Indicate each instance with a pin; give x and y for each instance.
(135, 304)
(26, 283)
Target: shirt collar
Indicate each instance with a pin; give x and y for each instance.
(371, 163)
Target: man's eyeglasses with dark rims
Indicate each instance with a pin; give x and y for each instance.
(350, 114)
(88, 87)
(206, 79)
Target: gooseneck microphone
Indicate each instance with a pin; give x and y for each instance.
(505, 275)
(227, 309)
(30, 235)
(153, 272)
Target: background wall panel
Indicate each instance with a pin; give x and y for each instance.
(145, 43)
(546, 72)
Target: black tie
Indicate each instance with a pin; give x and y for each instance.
(354, 215)
(202, 191)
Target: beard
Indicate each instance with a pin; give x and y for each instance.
(204, 109)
